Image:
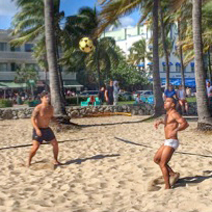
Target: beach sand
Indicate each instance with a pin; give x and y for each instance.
(108, 167)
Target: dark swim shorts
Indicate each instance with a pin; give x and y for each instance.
(47, 135)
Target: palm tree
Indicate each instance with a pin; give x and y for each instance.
(163, 34)
(99, 61)
(204, 118)
(52, 60)
(29, 24)
(139, 53)
(156, 73)
(39, 54)
(113, 9)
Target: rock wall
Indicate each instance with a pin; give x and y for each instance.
(144, 109)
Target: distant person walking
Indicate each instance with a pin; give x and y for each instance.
(109, 93)
(101, 94)
(116, 90)
(209, 88)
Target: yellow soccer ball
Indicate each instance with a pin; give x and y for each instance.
(86, 45)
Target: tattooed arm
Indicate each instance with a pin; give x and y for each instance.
(33, 120)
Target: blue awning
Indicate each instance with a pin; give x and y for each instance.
(192, 64)
(189, 82)
(141, 65)
(150, 63)
(164, 63)
(177, 64)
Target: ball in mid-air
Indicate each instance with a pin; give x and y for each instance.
(86, 45)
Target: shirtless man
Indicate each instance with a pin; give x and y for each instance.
(173, 123)
(41, 117)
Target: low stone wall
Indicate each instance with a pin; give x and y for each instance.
(144, 109)
(74, 112)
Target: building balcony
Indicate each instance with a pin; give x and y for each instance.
(6, 56)
(10, 76)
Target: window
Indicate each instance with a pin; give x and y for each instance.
(192, 66)
(3, 66)
(15, 49)
(14, 66)
(164, 68)
(29, 47)
(192, 69)
(178, 68)
(3, 46)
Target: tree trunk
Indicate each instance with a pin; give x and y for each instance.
(204, 119)
(164, 46)
(46, 79)
(181, 57)
(57, 34)
(59, 69)
(158, 100)
(182, 68)
(98, 68)
(144, 65)
(56, 99)
(209, 64)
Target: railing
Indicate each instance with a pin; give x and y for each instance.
(20, 56)
(10, 75)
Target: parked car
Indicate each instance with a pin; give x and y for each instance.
(89, 93)
(125, 96)
(144, 93)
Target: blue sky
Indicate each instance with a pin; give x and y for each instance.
(8, 10)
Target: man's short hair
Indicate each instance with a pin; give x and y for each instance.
(44, 93)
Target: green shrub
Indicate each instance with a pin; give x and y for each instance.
(73, 100)
(123, 98)
(5, 103)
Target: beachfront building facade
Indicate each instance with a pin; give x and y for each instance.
(13, 58)
(125, 37)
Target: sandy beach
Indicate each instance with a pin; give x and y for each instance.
(108, 167)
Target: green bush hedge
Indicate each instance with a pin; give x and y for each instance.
(124, 98)
(73, 100)
(5, 103)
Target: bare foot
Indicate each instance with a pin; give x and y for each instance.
(167, 187)
(56, 162)
(174, 178)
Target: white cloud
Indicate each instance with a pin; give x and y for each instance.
(127, 21)
(7, 8)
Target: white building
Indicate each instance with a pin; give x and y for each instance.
(12, 58)
(125, 37)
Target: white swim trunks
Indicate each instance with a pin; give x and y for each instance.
(174, 143)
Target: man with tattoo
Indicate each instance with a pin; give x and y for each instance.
(41, 117)
(173, 123)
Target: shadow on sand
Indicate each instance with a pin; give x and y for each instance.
(192, 181)
(118, 123)
(143, 145)
(96, 157)
(28, 145)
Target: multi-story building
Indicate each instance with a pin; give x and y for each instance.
(12, 58)
(125, 37)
